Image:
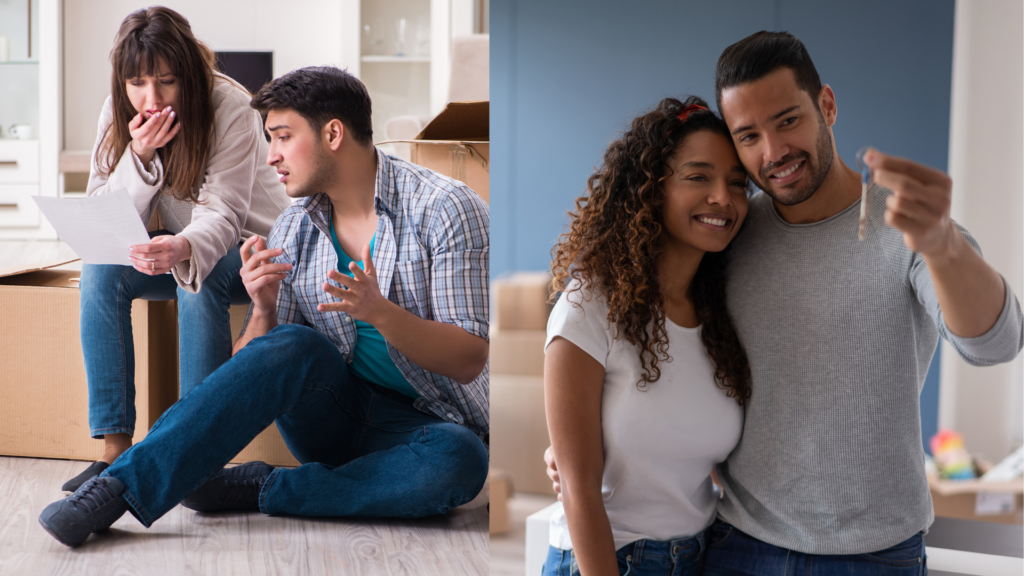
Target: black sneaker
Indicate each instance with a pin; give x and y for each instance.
(93, 507)
(75, 483)
(235, 488)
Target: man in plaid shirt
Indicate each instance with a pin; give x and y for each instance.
(366, 342)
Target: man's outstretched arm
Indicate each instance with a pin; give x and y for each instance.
(437, 347)
(971, 294)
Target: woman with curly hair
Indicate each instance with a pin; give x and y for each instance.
(644, 376)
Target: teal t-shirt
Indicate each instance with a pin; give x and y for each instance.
(370, 359)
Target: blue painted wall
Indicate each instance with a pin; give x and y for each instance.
(567, 76)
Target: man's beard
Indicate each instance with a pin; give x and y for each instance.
(319, 178)
(816, 172)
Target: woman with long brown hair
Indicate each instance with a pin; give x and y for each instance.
(184, 143)
(644, 375)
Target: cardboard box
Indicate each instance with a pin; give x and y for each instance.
(521, 301)
(268, 447)
(456, 144)
(518, 352)
(500, 486)
(962, 499)
(519, 431)
(44, 399)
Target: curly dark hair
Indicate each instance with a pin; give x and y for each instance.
(614, 245)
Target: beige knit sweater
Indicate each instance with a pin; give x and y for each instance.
(241, 193)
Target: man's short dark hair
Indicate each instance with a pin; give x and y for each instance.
(760, 54)
(320, 94)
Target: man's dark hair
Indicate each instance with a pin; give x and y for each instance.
(320, 94)
(760, 54)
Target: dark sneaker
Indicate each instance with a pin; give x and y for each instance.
(75, 483)
(93, 507)
(235, 488)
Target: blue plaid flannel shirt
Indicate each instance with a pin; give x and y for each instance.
(432, 256)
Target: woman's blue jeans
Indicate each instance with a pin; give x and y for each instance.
(204, 333)
(682, 557)
(364, 452)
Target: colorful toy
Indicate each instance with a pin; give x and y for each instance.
(951, 458)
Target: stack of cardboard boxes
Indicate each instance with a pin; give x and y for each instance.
(44, 400)
(519, 433)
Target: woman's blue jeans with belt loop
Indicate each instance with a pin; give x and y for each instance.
(204, 333)
(682, 557)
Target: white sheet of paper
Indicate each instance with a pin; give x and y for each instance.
(99, 228)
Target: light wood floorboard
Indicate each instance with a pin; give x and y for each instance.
(508, 550)
(185, 542)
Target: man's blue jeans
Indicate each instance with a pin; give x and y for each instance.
(363, 453)
(204, 333)
(733, 553)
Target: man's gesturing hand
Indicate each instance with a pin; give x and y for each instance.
(920, 204)
(261, 277)
(358, 296)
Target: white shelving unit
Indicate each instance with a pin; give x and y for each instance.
(29, 95)
(409, 77)
(398, 58)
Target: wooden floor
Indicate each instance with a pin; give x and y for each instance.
(186, 542)
(508, 550)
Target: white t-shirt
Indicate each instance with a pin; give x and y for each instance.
(660, 443)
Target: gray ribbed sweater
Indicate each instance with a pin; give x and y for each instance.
(839, 334)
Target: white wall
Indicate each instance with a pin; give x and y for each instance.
(300, 32)
(985, 161)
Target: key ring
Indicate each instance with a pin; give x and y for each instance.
(865, 187)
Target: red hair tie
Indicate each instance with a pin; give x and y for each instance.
(689, 110)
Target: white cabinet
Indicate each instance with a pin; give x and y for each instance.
(19, 181)
(19, 161)
(17, 209)
(29, 96)
(404, 49)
